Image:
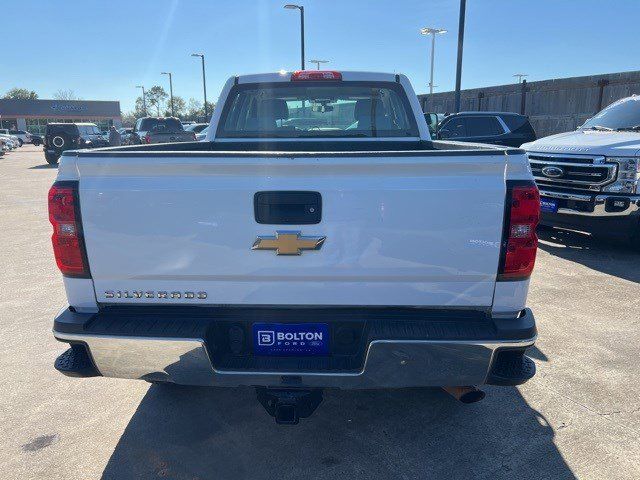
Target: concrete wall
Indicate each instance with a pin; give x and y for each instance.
(553, 106)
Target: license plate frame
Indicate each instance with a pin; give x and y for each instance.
(290, 339)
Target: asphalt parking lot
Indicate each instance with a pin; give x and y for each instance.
(578, 418)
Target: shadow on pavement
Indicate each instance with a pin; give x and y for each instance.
(607, 256)
(206, 433)
(43, 166)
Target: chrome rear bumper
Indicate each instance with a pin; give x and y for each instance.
(388, 364)
(447, 353)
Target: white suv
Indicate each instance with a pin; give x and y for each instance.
(19, 136)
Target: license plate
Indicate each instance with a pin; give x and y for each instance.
(290, 339)
(548, 205)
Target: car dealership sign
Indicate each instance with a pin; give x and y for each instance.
(68, 107)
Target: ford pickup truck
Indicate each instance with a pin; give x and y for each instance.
(589, 178)
(348, 250)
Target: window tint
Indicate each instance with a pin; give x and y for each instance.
(161, 125)
(316, 110)
(69, 129)
(483, 126)
(453, 128)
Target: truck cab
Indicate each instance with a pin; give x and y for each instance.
(588, 178)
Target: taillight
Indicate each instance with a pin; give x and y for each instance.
(147, 138)
(520, 243)
(67, 238)
(301, 75)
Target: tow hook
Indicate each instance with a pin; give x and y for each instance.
(465, 394)
(288, 406)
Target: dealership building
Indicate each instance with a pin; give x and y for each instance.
(33, 115)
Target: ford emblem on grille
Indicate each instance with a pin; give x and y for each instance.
(552, 172)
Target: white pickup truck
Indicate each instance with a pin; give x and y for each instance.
(317, 239)
(589, 179)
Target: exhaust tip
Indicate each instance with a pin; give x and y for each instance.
(465, 394)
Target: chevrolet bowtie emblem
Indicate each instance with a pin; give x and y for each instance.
(288, 243)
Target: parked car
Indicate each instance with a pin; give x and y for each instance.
(125, 135)
(202, 135)
(160, 130)
(60, 137)
(497, 128)
(271, 257)
(14, 138)
(433, 120)
(589, 178)
(36, 139)
(22, 136)
(196, 127)
(11, 141)
(3, 147)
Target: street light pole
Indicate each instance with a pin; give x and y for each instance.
(463, 8)
(301, 8)
(170, 91)
(520, 76)
(204, 83)
(144, 99)
(433, 32)
(318, 62)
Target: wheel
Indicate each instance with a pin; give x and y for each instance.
(20, 142)
(52, 159)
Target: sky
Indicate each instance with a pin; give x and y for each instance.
(102, 49)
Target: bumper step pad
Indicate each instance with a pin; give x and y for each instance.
(511, 367)
(75, 362)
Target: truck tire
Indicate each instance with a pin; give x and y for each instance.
(52, 159)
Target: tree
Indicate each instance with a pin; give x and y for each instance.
(129, 119)
(139, 110)
(66, 95)
(21, 94)
(195, 111)
(156, 97)
(179, 107)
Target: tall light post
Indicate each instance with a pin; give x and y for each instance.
(170, 91)
(318, 62)
(520, 76)
(204, 83)
(433, 32)
(463, 10)
(291, 6)
(144, 99)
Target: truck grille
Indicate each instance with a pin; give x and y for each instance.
(577, 172)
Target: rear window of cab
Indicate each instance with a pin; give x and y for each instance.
(318, 109)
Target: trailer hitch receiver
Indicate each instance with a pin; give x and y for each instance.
(288, 406)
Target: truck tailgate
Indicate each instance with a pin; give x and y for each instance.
(420, 230)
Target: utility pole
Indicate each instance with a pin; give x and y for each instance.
(170, 91)
(433, 32)
(520, 76)
(318, 62)
(204, 84)
(291, 6)
(144, 100)
(463, 7)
